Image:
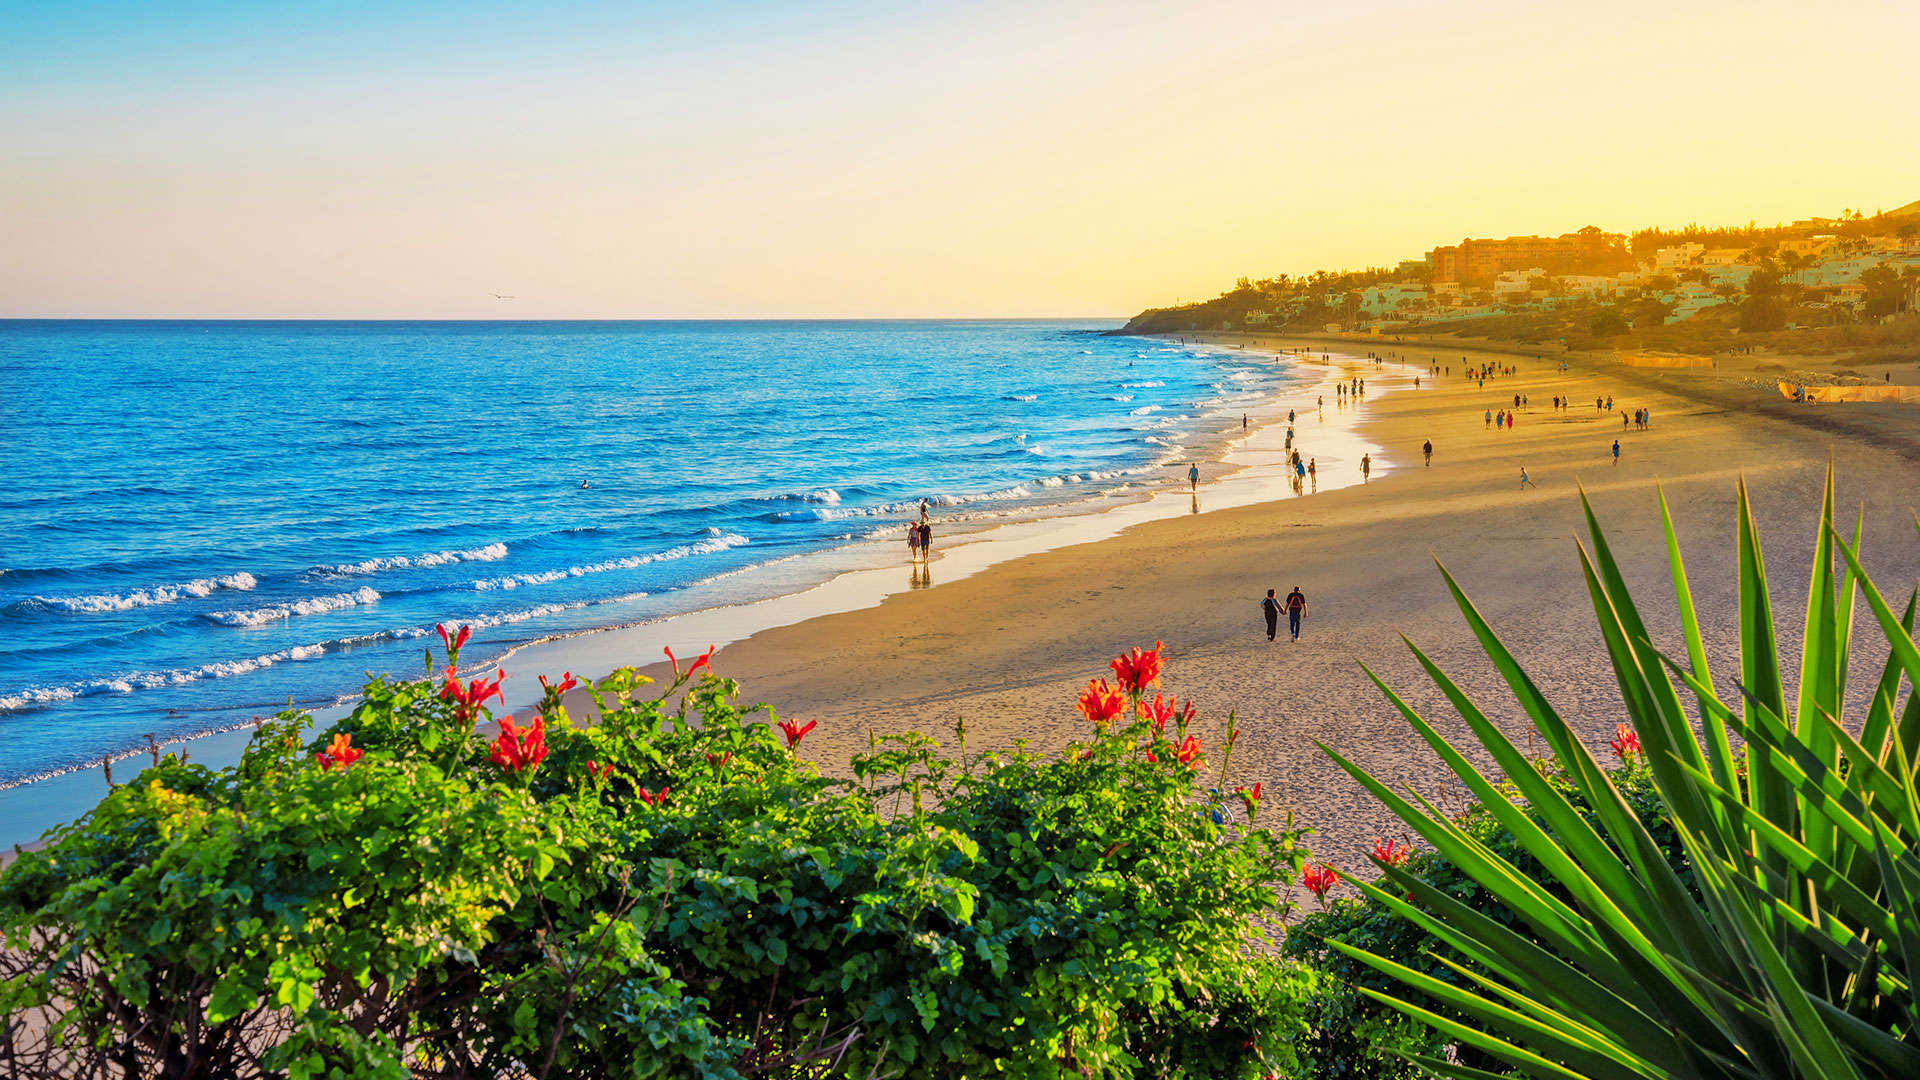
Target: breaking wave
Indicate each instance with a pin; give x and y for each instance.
(714, 543)
(490, 553)
(222, 669)
(313, 605)
(147, 597)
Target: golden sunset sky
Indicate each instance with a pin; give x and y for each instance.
(1045, 159)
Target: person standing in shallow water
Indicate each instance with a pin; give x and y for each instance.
(1193, 477)
(1271, 609)
(1296, 606)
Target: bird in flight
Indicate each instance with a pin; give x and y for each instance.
(499, 296)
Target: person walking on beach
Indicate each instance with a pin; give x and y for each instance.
(1366, 467)
(1427, 450)
(1296, 610)
(1489, 422)
(926, 541)
(1525, 481)
(913, 542)
(1271, 609)
(1193, 477)
(1616, 451)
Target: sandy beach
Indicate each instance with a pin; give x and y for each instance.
(1007, 648)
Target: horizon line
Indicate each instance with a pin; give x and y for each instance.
(563, 318)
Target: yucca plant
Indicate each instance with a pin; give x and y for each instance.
(1797, 954)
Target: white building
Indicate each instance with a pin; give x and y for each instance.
(1590, 285)
(1676, 258)
(1511, 282)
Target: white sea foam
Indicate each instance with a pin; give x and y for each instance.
(907, 507)
(1142, 385)
(221, 669)
(1017, 491)
(1021, 397)
(1119, 397)
(717, 541)
(1144, 410)
(154, 594)
(312, 605)
(490, 553)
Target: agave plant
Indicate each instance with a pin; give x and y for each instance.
(1796, 951)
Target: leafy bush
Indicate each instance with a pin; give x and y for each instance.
(668, 891)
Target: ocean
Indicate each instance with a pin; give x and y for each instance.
(202, 522)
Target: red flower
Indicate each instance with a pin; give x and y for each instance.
(655, 799)
(339, 753)
(566, 683)
(1320, 879)
(1164, 708)
(719, 761)
(1100, 703)
(1137, 670)
(452, 640)
(1187, 751)
(795, 732)
(701, 662)
(1626, 743)
(1390, 853)
(1250, 797)
(469, 696)
(599, 771)
(519, 748)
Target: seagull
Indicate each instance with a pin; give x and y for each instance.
(499, 296)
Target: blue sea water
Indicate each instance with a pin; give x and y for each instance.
(201, 521)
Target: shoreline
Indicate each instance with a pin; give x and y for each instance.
(1006, 645)
(856, 576)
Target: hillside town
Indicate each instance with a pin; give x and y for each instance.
(1850, 270)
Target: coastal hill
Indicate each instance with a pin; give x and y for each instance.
(1848, 284)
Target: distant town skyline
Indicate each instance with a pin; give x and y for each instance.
(866, 160)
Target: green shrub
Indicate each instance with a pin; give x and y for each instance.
(668, 891)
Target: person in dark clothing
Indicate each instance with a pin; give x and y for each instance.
(926, 540)
(1271, 609)
(1428, 450)
(1296, 605)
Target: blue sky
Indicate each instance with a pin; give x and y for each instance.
(1051, 158)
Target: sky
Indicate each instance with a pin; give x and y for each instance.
(602, 160)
